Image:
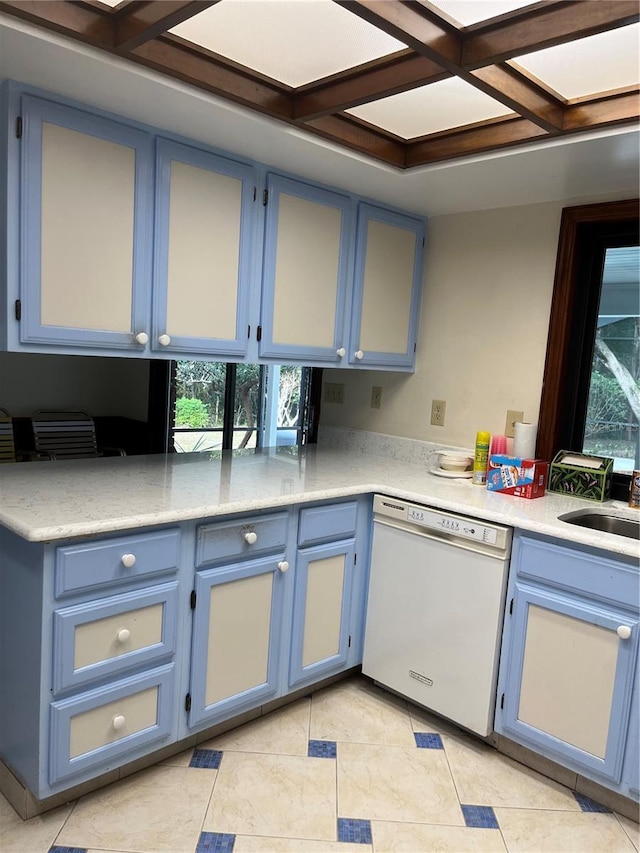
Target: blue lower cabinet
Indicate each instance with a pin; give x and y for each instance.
(104, 727)
(236, 631)
(567, 687)
(631, 767)
(320, 638)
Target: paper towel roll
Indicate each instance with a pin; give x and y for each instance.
(524, 440)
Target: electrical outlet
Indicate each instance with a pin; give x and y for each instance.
(334, 392)
(376, 396)
(438, 409)
(513, 418)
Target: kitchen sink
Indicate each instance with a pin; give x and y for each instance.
(604, 520)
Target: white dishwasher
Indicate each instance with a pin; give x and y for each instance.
(435, 609)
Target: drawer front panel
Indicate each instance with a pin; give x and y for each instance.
(106, 637)
(98, 727)
(323, 523)
(241, 538)
(112, 561)
(587, 574)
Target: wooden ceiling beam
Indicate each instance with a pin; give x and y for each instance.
(418, 27)
(354, 134)
(380, 79)
(199, 68)
(621, 107)
(85, 23)
(145, 21)
(544, 26)
(474, 140)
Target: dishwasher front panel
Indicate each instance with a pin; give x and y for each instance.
(434, 622)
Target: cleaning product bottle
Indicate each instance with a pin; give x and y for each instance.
(481, 459)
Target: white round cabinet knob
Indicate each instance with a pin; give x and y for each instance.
(164, 340)
(341, 352)
(142, 338)
(128, 560)
(624, 632)
(283, 566)
(118, 722)
(359, 354)
(251, 537)
(123, 635)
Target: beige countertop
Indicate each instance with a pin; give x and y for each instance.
(44, 501)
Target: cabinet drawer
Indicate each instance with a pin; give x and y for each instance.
(98, 727)
(324, 523)
(587, 574)
(246, 537)
(111, 561)
(107, 637)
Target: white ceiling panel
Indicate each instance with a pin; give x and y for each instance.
(429, 109)
(589, 65)
(467, 12)
(292, 41)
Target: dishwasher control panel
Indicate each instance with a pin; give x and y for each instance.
(467, 528)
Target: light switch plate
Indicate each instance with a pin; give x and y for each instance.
(376, 396)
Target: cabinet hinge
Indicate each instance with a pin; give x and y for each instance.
(19, 127)
(511, 607)
(18, 309)
(355, 559)
(265, 197)
(187, 702)
(192, 599)
(349, 643)
(502, 701)
(248, 331)
(259, 334)
(255, 193)
(423, 242)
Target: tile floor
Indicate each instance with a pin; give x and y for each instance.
(352, 769)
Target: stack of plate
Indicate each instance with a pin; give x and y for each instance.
(455, 464)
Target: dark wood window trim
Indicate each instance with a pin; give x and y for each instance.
(559, 390)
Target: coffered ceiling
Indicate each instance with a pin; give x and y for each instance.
(407, 82)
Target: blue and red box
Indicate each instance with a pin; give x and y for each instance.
(512, 475)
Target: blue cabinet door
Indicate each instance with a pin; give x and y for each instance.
(568, 682)
(387, 289)
(321, 611)
(306, 268)
(236, 632)
(204, 254)
(631, 769)
(85, 229)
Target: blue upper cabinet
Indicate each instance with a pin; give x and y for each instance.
(307, 264)
(85, 241)
(387, 289)
(203, 258)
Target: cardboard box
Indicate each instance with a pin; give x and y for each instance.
(581, 476)
(512, 475)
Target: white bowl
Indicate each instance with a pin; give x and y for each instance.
(450, 460)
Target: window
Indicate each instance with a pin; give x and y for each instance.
(591, 383)
(217, 406)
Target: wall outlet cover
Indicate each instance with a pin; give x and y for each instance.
(376, 396)
(513, 417)
(438, 410)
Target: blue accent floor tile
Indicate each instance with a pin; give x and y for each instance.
(354, 830)
(481, 817)
(322, 749)
(67, 850)
(215, 842)
(589, 805)
(207, 759)
(427, 740)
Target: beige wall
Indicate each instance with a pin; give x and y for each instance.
(100, 386)
(483, 331)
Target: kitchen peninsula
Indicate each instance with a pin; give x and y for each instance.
(126, 581)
